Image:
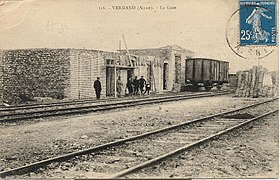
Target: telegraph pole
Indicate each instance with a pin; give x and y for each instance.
(120, 45)
(127, 51)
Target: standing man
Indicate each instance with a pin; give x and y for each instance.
(129, 86)
(142, 84)
(119, 87)
(136, 86)
(97, 87)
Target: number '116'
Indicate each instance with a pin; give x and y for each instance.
(246, 35)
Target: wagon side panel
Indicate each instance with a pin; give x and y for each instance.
(216, 71)
(198, 70)
(207, 70)
(227, 71)
(222, 71)
(189, 69)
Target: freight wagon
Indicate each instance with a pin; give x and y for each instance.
(201, 72)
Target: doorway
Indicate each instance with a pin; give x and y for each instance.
(165, 76)
(124, 74)
(110, 81)
(130, 74)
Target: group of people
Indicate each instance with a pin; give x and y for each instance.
(133, 86)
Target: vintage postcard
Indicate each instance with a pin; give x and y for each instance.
(93, 89)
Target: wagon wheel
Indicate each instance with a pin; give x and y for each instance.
(208, 88)
(219, 87)
(195, 87)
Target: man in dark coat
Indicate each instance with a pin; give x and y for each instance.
(97, 87)
(129, 86)
(142, 84)
(136, 86)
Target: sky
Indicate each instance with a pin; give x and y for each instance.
(197, 25)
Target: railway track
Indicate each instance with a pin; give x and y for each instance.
(77, 102)
(120, 158)
(13, 108)
(42, 111)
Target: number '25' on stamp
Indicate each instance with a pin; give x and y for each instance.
(257, 22)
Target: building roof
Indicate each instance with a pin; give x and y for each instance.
(176, 47)
(170, 47)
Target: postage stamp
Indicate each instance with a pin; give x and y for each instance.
(257, 22)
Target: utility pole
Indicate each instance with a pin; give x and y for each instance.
(115, 71)
(120, 45)
(79, 76)
(127, 51)
(115, 79)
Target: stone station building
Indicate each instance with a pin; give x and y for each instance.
(69, 73)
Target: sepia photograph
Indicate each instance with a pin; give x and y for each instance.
(139, 89)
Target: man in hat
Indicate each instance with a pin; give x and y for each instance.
(97, 87)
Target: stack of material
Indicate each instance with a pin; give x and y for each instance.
(275, 84)
(257, 82)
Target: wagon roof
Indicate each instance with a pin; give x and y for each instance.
(208, 59)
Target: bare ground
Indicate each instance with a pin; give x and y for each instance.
(251, 152)
(37, 140)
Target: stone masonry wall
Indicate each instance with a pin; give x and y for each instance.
(167, 55)
(30, 73)
(86, 66)
(181, 66)
(162, 55)
(151, 68)
(67, 73)
(70, 73)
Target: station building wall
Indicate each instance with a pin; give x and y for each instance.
(55, 73)
(175, 58)
(70, 73)
(151, 69)
(85, 67)
(34, 73)
(155, 58)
